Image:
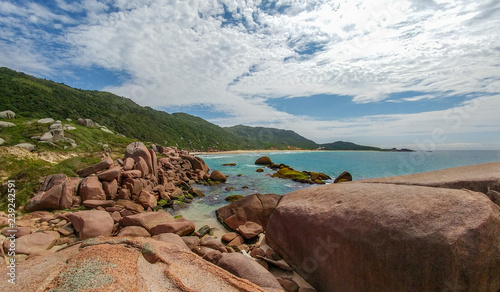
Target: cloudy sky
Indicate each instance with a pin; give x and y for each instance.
(423, 74)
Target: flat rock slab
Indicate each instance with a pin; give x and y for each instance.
(147, 220)
(477, 178)
(32, 243)
(115, 264)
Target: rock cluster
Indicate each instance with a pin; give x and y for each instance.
(55, 132)
(286, 172)
(140, 179)
(135, 264)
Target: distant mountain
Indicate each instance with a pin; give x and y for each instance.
(265, 138)
(341, 145)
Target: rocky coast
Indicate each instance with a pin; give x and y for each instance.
(109, 229)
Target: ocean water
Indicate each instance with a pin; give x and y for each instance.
(244, 180)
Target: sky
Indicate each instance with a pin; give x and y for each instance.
(420, 74)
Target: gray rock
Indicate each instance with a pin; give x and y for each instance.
(68, 119)
(86, 122)
(58, 134)
(68, 128)
(45, 121)
(104, 129)
(7, 114)
(6, 124)
(27, 146)
(47, 137)
(2, 141)
(56, 125)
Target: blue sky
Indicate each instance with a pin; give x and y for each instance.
(388, 73)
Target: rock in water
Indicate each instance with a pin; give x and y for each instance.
(386, 237)
(344, 176)
(264, 160)
(256, 208)
(218, 176)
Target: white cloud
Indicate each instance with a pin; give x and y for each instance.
(182, 53)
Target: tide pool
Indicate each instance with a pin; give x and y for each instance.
(244, 180)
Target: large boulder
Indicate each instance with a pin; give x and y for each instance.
(218, 176)
(92, 223)
(123, 264)
(91, 189)
(264, 160)
(387, 237)
(256, 208)
(57, 192)
(247, 268)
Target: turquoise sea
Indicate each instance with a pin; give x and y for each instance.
(361, 164)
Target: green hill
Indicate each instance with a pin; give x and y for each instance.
(32, 97)
(264, 138)
(341, 145)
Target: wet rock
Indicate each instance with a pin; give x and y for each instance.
(264, 160)
(218, 176)
(344, 176)
(256, 208)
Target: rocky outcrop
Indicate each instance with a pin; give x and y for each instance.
(389, 237)
(139, 264)
(57, 192)
(256, 208)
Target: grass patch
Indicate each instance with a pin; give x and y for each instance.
(28, 172)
